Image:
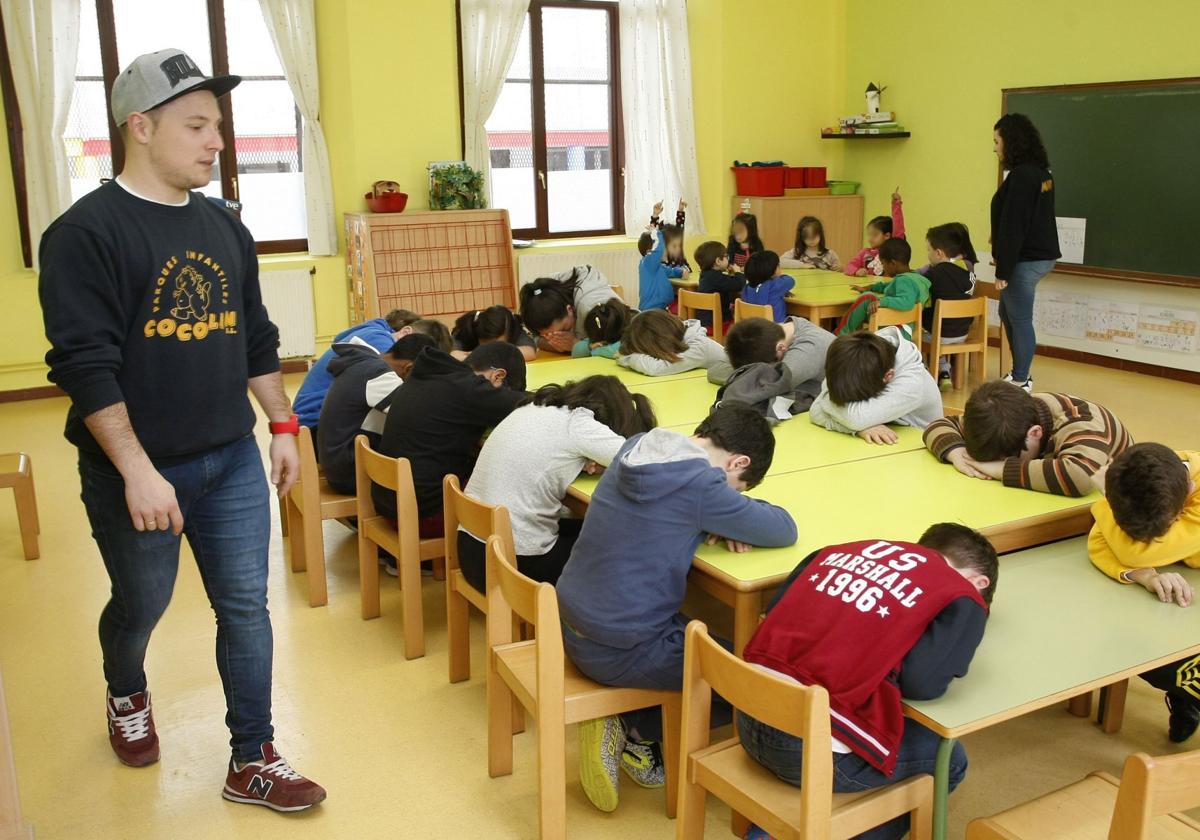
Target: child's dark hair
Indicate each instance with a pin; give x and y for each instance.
(996, 420)
(398, 319)
(707, 254)
(761, 267)
(740, 430)
(1022, 142)
(670, 233)
(753, 240)
(896, 250)
(965, 548)
(496, 323)
(802, 228)
(954, 240)
(607, 322)
(500, 354)
(753, 340)
(1147, 487)
(410, 346)
(856, 365)
(435, 330)
(645, 243)
(607, 398)
(656, 333)
(546, 299)
(883, 224)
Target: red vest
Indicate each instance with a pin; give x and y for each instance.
(847, 622)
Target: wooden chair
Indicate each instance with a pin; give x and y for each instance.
(692, 303)
(481, 521)
(727, 771)
(542, 680)
(974, 345)
(16, 471)
(743, 310)
(309, 503)
(1142, 805)
(12, 823)
(882, 317)
(399, 539)
(618, 290)
(987, 291)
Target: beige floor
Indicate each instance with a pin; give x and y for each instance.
(401, 751)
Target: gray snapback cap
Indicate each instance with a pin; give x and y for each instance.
(156, 78)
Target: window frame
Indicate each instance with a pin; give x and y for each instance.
(110, 64)
(537, 84)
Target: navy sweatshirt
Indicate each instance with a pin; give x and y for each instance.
(727, 285)
(158, 307)
(948, 281)
(943, 652)
(1023, 224)
(356, 404)
(627, 574)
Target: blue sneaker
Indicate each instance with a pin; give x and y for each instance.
(756, 833)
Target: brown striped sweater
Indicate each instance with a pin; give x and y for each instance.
(1080, 439)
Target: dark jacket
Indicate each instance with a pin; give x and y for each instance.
(436, 421)
(1023, 224)
(727, 285)
(355, 403)
(948, 281)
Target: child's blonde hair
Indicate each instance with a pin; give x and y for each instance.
(656, 333)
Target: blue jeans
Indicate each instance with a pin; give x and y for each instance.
(226, 518)
(1016, 312)
(781, 754)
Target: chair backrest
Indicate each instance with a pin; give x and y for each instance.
(513, 595)
(743, 310)
(793, 708)
(883, 317)
(1151, 787)
(618, 290)
(309, 472)
(976, 308)
(480, 520)
(393, 474)
(691, 303)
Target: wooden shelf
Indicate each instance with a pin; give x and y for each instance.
(887, 136)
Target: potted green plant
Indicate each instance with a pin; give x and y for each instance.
(453, 185)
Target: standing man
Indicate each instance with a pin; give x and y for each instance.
(152, 306)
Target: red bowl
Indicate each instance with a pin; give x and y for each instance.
(387, 202)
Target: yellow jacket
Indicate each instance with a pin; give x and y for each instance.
(1113, 551)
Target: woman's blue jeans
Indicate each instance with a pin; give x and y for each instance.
(1016, 312)
(224, 499)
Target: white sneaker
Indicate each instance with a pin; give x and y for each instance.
(1027, 385)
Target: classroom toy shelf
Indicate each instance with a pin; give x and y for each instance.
(438, 263)
(841, 215)
(886, 136)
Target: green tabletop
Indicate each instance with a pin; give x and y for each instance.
(811, 278)
(897, 496)
(563, 370)
(1058, 625)
(677, 402)
(823, 295)
(799, 445)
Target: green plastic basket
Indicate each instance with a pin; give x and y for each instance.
(843, 187)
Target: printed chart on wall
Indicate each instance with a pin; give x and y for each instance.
(1164, 328)
(1114, 321)
(1061, 315)
(1071, 236)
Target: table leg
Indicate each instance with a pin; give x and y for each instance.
(747, 606)
(1080, 705)
(941, 787)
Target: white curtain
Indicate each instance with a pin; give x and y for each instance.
(490, 32)
(656, 100)
(294, 33)
(43, 45)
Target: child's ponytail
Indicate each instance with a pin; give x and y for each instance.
(607, 322)
(479, 326)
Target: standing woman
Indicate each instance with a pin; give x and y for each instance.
(1024, 234)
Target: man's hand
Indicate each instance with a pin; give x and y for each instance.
(1166, 586)
(963, 463)
(862, 272)
(151, 501)
(733, 545)
(285, 463)
(880, 434)
(560, 341)
(657, 211)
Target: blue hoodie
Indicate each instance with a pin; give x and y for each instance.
(772, 292)
(311, 395)
(628, 571)
(654, 277)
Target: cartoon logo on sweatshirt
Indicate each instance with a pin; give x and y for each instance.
(194, 292)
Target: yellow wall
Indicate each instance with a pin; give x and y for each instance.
(945, 63)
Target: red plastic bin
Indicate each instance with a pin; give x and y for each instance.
(759, 180)
(795, 177)
(814, 176)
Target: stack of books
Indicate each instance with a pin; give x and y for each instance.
(883, 122)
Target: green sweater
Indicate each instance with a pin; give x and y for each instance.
(904, 291)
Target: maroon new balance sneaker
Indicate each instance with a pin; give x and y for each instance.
(271, 782)
(131, 729)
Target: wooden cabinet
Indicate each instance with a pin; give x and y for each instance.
(438, 264)
(841, 216)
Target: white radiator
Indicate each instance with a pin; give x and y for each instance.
(288, 296)
(619, 266)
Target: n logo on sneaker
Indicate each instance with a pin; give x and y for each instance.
(260, 787)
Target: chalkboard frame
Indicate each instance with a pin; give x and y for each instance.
(1191, 281)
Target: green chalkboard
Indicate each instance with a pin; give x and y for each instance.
(1124, 157)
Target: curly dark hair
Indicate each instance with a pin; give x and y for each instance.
(1022, 142)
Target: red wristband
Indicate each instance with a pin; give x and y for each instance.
(291, 426)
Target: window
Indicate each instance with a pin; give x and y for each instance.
(261, 163)
(556, 130)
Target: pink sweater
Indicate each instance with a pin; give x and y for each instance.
(866, 258)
